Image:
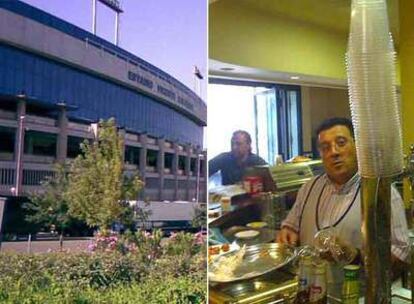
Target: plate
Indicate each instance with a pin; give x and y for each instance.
(257, 225)
(247, 234)
(257, 260)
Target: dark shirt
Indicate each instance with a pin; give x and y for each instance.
(231, 171)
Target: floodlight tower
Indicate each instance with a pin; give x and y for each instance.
(113, 5)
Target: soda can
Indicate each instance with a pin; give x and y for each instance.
(318, 285)
(253, 184)
(350, 288)
(304, 277)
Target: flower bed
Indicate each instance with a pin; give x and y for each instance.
(133, 268)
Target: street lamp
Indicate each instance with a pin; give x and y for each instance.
(198, 177)
(19, 169)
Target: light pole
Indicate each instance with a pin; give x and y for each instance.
(198, 177)
(94, 12)
(113, 5)
(19, 169)
(116, 28)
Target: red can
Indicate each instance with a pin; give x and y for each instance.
(318, 286)
(304, 278)
(253, 184)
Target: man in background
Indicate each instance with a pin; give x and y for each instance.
(233, 164)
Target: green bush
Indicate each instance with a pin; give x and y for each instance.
(82, 269)
(151, 273)
(166, 291)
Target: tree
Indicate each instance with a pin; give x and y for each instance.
(98, 187)
(49, 207)
(200, 216)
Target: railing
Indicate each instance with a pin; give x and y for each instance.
(79, 127)
(7, 176)
(34, 177)
(39, 120)
(131, 137)
(9, 115)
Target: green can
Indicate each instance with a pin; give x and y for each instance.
(351, 287)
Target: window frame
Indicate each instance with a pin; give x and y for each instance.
(282, 101)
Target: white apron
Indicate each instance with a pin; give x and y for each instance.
(347, 226)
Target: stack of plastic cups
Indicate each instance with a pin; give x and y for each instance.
(372, 90)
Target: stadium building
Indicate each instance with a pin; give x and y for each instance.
(57, 80)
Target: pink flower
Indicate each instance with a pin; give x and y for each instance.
(92, 247)
(132, 248)
(199, 238)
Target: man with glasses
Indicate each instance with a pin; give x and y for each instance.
(234, 164)
(333, 199)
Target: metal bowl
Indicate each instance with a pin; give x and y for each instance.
(257, 260)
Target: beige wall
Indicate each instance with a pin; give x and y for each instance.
(319, 104)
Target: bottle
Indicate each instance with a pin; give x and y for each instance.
(350, 288)
(304, 276)
(318, 286)
(342, 251)
(225, 204)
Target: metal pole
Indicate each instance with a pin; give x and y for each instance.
(2, 211)
(376, 231)
(195, 84)
(94, 13)
(29, 243)
(117, 28)
(412, 267)
(19, 156)
(198, 179)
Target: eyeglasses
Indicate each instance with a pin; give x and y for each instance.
(339, 144)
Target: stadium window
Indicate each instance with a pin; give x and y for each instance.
(40, 143)
(168, 161)
(152, 158)
(181, 164)
(132, 155)
(8, 105)
(202, 167)
(193, 165)
(7, 136)
(74, 146)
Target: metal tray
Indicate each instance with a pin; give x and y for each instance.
(266, 235)
(257, 260)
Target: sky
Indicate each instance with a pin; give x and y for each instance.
(170, 34)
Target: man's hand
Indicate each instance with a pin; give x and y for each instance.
(287, 236)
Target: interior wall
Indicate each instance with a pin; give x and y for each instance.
(319, 104)
(246, 37)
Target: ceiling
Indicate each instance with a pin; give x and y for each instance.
(248, 73)
(333, 15)
(330, 15)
